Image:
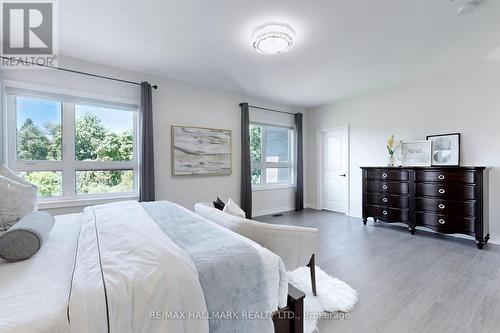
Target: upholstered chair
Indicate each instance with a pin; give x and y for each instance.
(295, 245)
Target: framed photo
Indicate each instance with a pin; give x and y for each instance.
(416, 153)
(200, 151)
(445, 149)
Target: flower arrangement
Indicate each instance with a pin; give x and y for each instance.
(391, 149)
(390, 145)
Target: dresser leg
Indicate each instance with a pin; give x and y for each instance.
(365, 220)
(481, 242)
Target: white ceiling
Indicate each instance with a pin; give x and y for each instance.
(343, 47)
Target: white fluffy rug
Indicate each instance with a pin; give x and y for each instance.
(333, 295)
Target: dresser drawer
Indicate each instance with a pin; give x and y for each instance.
(454, 192)
(386, 187)
(387, 200)
(445, 223)
(452, 208)
(388, 214)
(448, 176)
(388, 174)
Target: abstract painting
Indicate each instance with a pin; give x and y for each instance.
(445, 149)
(200, 151)
(416, 153)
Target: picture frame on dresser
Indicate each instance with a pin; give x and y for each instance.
(445, 149)
(416, 153)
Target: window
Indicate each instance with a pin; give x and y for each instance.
(271, 155)
(71, 148)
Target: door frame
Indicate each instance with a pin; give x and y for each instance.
(319, 152)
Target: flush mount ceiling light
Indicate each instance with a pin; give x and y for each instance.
(273, 39)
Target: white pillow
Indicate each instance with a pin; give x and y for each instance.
(232, 208)
(17, 198)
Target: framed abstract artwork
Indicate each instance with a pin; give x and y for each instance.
(416, 153)
(200, 151)
(445, 149)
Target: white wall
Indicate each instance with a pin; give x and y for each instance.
(174, 103)
(467, 102)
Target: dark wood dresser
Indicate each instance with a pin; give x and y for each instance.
(451, 200)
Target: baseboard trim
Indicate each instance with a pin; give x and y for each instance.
(272, 211)
(311, 205)
(355, 214)
(494, 240)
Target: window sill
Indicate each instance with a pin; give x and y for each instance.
(257, 188)
(83, 202)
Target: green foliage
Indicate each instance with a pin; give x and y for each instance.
(256, 151)
(93, 182)
(32, 143)
(255, 143)
(92, 142)
(55, 146)
(48, 183)
(90, 134)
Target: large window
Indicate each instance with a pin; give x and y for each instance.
(71, 148)
(271, 155)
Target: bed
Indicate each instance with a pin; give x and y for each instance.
(150, 267)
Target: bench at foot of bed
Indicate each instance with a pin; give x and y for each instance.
(291, 318)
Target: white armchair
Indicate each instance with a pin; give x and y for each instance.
(295, 245)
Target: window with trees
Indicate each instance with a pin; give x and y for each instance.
(72, 148)
(271, 155)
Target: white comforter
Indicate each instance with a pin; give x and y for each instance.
(34, 293)
(147, 276)
(145, 273)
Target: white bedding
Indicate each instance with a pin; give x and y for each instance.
(146, 270)
(275, 270)
(34, 293)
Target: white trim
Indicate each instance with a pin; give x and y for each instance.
(83, 202)
(494, 240)
(272, 211)
(263, 165)
(319, 171)
(311, 205)
(67, 165)
(356, 214)
(269, 187)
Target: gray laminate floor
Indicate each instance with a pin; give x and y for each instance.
(421, 283)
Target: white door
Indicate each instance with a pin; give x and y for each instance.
(334, 170)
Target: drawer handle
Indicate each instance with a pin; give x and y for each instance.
(384, 212)
(384, 175)
(384, 187)
(441, 177)
(384, 199)
(441, 221)
(442, 191)
(442, 206)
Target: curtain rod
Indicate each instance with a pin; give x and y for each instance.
(76, 72)
(271, 110)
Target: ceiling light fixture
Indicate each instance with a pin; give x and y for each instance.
(273, 39)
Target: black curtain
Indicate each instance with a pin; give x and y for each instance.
(147, 178)
(299, 192)
(246, 169)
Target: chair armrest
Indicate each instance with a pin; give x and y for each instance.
(295, 245)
